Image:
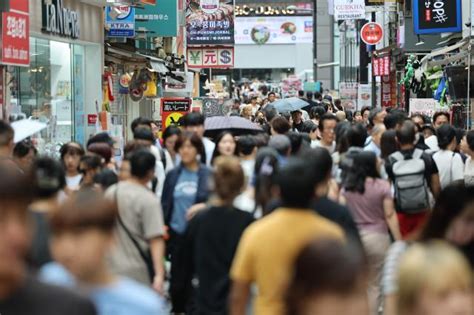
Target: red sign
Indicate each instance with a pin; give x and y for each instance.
(2, 95)
(16, 34)
(371, 33)
(91, 119)
(381, 66)
(389, 90)
(172, 109)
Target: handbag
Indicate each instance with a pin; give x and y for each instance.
(144, 254)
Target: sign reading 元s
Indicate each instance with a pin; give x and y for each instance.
(210, 57)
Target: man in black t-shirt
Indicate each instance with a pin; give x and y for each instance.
(406, 137)
(20, 294)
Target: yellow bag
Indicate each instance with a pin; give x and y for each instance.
(151, 90)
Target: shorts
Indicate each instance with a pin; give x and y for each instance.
(411, 223)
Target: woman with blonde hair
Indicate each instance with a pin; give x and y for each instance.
(435, 279)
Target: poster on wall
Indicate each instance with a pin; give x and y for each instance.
(348, 92)
(172, 109)
(437, 16)
(15, 42)
(120, 21)
(159, 20)
(364, 97)
(274, 30)
(349, 10)
(210, 22)
(215, 107)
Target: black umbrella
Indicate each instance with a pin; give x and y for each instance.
(237, 125)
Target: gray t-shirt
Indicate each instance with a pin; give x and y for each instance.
(140, 211)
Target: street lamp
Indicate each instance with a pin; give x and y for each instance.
(315, 35)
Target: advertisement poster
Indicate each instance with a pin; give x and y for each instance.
(210, 22)
(364, 96)
(274, 30)
(349, 10)
(172, 109)
(15, 42)
(159, 20)
(120, 21)
(425, 106)
(211, 58)
(389, 90)
(348, 92)
(215, 107)
(437, 16)
(381, 66)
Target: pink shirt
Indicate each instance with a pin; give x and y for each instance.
(367, 209)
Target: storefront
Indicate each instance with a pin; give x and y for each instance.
(63, 82)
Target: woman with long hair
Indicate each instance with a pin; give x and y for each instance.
(210, 241)
(170, 136)
(225, 146)
(370, 200)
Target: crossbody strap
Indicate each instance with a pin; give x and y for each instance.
(127, 231)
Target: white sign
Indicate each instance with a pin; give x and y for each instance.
(348, 92)
(349, 9)
(425, 106)
(210, 58)
(364, 97)
(274, 30)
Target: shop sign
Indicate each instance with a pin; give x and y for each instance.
(160, 20)
(274, 9)
(378, 2)
(349, 10)
(172, 109)
(91, 119)
(16, 34)
(371, 33)
(120, 21)
(437, 16)
(210, 58)
(2, 93)
(274, 30)
(424, 106)
(210, 22)
(388, 90)
(381, 66)
(348, 92)
(58, 20)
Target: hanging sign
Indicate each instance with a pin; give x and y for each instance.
(389, 90)
(16, 35)
(58, 20)
(120, 21)
(371, 33)
(210, 58)
(381, 66)
(172, 109)
(437, 16)
(160, 20)
(210, 22)
(349, 9)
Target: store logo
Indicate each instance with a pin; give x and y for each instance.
(60, 20)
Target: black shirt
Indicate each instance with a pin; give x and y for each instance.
(207, 252)
(36, 298)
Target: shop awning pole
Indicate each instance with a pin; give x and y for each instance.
(469, 88)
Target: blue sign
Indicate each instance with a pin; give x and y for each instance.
(437, 16)
(120, 21)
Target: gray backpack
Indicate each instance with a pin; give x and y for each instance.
(411, 187)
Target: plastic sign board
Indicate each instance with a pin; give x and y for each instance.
(120, 21)
(371, 33)
(437, 16)
(16, 35)
(172, 109)
(381, 66)
(349, 9)
(210, 58)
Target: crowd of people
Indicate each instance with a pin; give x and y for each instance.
(323, 212)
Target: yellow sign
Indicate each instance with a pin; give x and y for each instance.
(173, 119)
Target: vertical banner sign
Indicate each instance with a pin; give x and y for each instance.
(437, 16)
(381, 66)
(365, 96)
(172, 109)
(2, 93)
(388, 90)
(349, 10)
(16, 34)
(210, 22)
(120, 21)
